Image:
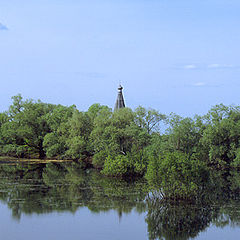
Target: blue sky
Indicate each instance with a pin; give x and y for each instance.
(177, 56)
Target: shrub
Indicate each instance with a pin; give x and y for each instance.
(117, 166)
(176, 175)
(99, 159)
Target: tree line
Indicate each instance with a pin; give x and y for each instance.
(33, 129)
(126, 142)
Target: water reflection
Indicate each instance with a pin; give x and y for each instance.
(61, 187)
(66, 187)
(217, 204)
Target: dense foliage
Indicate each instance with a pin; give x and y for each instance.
(177, 173)
(125, 142)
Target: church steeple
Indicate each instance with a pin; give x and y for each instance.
(120, 101)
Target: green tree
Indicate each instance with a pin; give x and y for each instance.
(176, 175)
(55, 142)
(24, 132)
(116, 133)
(222, 135)
(17, 106)
(80, 128)
(148, 119)
(184, 134)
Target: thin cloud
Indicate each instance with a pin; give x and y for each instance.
(3, 27)
(190, 66)
(210, 66)
(219, 66)
(199, 84)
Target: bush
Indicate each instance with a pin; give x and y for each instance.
(236, 160)
(137, 161)
(176, 175)
(99, 159)
(117, 166)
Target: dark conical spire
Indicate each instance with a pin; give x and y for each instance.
(120, 101)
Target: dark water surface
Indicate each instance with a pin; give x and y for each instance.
(61, 201)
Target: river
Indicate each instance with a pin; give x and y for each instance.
(62, 201)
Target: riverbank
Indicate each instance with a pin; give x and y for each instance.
(9, 160)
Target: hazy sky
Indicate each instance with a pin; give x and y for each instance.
(178, 56)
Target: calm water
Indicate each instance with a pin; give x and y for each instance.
(61, 201)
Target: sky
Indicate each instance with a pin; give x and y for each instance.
(177, 56)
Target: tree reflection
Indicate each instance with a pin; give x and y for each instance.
(167, 221)
(216, 204)
(45, 188)
(66, 187)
